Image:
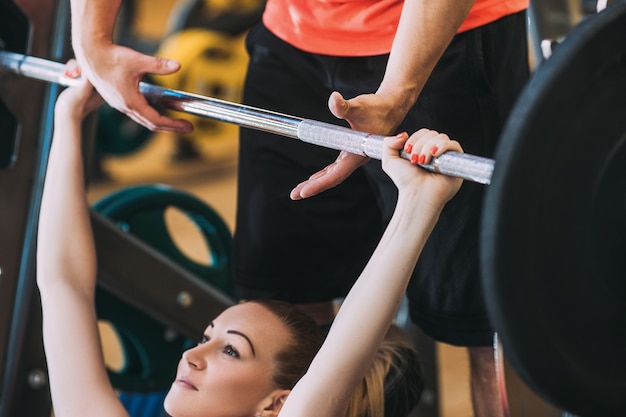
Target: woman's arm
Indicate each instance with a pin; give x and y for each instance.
(115, 70)
(66, 272)
(372, 303)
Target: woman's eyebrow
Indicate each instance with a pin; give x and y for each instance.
(245, 337)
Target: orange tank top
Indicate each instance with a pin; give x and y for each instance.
(358, 27)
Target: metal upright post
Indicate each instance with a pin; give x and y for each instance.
(38, 27)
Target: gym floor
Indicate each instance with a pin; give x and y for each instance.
(212, 178)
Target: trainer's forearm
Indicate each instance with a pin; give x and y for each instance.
(93, 22)
(425, 30)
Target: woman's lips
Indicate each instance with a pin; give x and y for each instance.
(185, 383)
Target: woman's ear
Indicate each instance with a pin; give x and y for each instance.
(273, 403)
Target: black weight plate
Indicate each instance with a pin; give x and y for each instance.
(553, 244)
(117, 134)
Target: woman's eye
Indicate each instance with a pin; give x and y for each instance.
(229, 350)
(203, 340)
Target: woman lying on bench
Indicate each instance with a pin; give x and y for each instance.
(256, 359)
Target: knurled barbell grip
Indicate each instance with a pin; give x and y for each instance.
(466, 166)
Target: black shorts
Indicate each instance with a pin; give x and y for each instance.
(313, 250)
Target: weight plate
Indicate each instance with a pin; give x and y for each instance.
(553, 244)
(151, 350)
(117, 134)
(213, 64)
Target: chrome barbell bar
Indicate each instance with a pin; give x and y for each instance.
(469, 167)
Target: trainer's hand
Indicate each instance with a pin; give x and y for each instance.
(115, 71)
(372, 113)
(329, 177)
(376, 113)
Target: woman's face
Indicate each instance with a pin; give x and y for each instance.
(229, 373)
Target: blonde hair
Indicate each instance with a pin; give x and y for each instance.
(393, 383)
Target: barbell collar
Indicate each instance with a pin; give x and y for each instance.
(469, 167)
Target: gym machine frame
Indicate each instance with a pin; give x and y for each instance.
(23, 381)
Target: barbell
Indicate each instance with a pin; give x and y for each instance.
(469, 167)
(553, 234)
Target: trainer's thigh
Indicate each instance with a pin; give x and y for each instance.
(300, 251)
(469, 96)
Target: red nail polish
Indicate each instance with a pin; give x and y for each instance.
(414, 159)
(421, 159)
(72, 73)
(434, 150)
(408, 148)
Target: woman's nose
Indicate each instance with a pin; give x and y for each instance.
(194, 357)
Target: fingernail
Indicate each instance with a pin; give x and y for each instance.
(172, 64)
(408, 148)
(72, 73)
(401, 135)
(414, 159)
(434, 150)
(421, 159)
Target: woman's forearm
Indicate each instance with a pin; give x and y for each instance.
(366, 313)
(374, 299)
(65, 239)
